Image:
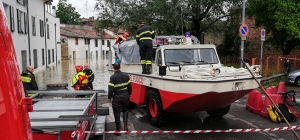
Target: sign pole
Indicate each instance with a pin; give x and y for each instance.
(263, 36)
(242, 41)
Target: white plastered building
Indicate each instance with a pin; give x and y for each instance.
(35, 31)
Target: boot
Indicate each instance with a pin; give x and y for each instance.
(144, 68)
(125, 119)
(117, 114)
(148, 69)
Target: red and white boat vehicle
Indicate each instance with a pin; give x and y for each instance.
(188, 78)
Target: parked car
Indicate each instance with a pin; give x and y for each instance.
(294, 77)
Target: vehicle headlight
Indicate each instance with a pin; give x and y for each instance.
(215, 71)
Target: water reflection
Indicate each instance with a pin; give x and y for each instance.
(63, 72)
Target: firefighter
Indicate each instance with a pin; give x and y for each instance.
(144, 37)
(28, 80)
(119, 40)
(88, 72)
(80, 80)
(122, 38)
(119, 90)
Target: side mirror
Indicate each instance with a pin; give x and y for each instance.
(162, 70)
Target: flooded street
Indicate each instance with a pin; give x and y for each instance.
(64, 71)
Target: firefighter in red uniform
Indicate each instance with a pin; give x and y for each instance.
(122, 38)
(119, 40)
(144, 37)
(119, 89)
(80, 80)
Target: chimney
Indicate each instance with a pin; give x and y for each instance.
(54, 11)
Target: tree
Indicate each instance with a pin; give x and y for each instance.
(232, 40)
(167, 17)
(281, 19)
(67, 13)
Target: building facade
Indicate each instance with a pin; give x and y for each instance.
(81, 41)
(35, 31)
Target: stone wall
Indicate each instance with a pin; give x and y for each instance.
(64, 48)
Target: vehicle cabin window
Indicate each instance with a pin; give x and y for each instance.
(159, 59)
(209, 56)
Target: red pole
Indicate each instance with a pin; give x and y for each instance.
(278, 64)
(267, 66)
(253, 61)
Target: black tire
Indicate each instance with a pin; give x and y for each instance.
(155, 110)
(131, 105)
(100, 137)
(218, 112)
(297, 81)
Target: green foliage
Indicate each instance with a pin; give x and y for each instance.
(281, 18)
(232, 40)
(167, 17)
(67, 13)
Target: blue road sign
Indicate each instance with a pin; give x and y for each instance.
(244, 30)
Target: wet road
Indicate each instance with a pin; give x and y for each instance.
(237, 118)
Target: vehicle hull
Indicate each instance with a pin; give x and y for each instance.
(186, 95)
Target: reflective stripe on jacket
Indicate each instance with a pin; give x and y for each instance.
(75, 79)
(119, 83)
(144, 33)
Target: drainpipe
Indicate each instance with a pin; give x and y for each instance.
(45, 35)
(29, 50)
(55, 43)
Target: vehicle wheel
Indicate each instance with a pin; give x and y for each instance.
(297, 81)
(100, 137)
(155, 109)
(218, 112)
(131, 105)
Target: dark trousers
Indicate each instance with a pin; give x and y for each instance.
(146, 50)
(90, 84)
(120, 104)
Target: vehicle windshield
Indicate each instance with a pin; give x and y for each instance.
(190, 56)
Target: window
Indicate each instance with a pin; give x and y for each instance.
(12, 19)
(52, 55)
(25, 2)
(25, 23)
(76, 41)
(42, 28)
(43, 57)
(96, 42)
(35, 58)
(33, 26)
(49, 59)
(86, 41)
(19, 21)
(48, 34)
(103, 42)
(108, 43)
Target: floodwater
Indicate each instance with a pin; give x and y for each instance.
(64, 71)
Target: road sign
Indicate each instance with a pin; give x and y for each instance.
(244, 30)
(263, 34)
(243, 38)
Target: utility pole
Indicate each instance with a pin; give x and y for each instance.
(242, 41)
(87, 28)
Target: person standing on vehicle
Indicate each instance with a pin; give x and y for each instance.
(80, 80)
(122, 38)
(88, 72)
(119, 40)
(144, 37)
(287, 66)
(119, 91)
(28, 80)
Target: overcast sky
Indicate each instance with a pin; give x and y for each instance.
(80, 6)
